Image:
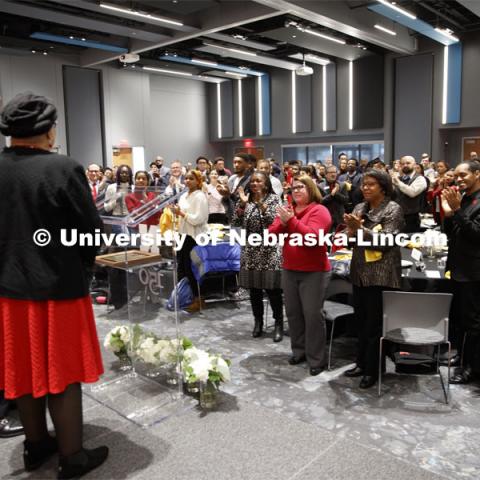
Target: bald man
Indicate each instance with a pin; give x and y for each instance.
(97, 187)
(411, 189)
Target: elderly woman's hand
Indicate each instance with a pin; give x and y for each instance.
(353, 222)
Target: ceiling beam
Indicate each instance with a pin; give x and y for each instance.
(338, 16)
(77, 21)
(215, 19)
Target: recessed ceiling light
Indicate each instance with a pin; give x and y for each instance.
(71, 37)
(204, 62)
(326, 37)
(236, 50)
(447, 33)
(393, 6)
(384, 29)
(33, 51)
(139, 14)
(84, 39)
(164, 70)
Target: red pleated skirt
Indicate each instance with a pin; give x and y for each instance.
(47, 345)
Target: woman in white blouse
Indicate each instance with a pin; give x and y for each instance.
(216, 209)
(192, 208)
(116, 193)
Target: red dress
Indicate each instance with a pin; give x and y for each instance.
(47, 345)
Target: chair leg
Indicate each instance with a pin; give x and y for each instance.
(445, 389)
(266, 302)
(330, 346)
(380, 367)
(199, 297)
(448, 371)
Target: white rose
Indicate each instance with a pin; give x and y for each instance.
(200, 369)
(223, 369)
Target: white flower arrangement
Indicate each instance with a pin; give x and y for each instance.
(123, 339)
(201, 366)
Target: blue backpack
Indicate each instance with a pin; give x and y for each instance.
(184, 295)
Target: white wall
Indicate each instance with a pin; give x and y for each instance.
(39, 74)
(167, 116)
(126, 108)
(179, 125)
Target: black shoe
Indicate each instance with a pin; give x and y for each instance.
(257, 329)
(454, 361)
(10, 427)
(296, 360)
(278, 332)
(354, 372)
(463, 377)
(367, 381)
(316, 370)
(82, 462)
(35, 454)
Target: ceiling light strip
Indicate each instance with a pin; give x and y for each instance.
(219, 111)
(385, 29)
(236, 50)
(445, 85)
(260, 106)
(204, 62)
(134, 13)
(324, 98)
(326, 37)
(447, 34)
(294, 102)
(350, 96)
(165, 70)
(240, 108)
(398, 9)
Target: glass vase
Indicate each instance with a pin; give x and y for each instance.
(172, 374)
(125, 362)
(152, 370)
(208, 395)
(192, 387)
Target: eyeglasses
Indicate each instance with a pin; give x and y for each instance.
(94, 171)
(298, 187)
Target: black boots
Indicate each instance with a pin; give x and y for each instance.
(35, 454)
(258, 328)
(278, 332)
(82, 462)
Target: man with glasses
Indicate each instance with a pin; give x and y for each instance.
(97, 187)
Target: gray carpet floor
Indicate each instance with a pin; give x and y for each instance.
(274, 421)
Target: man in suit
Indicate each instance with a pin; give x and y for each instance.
(409, 189)
(462, 225)
(239, 180)
(335, 195)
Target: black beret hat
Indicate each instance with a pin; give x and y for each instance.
(27, 115)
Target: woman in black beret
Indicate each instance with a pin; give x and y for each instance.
(48, 339)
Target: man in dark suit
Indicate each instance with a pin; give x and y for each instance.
(335, 195)
(462, 225)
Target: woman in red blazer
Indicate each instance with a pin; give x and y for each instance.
(306, 272)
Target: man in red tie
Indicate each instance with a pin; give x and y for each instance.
(93, 180)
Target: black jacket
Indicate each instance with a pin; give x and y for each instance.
(43, 190)
(463, 230)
